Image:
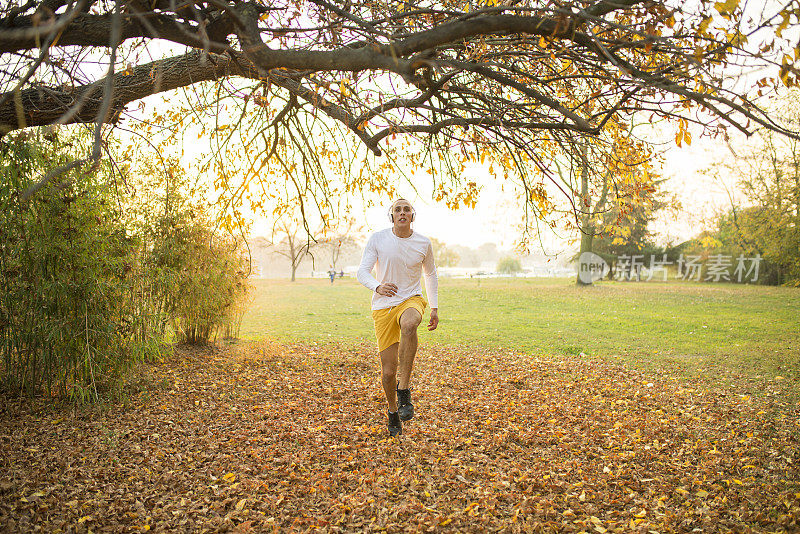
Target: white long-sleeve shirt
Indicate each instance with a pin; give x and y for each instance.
(400, 261)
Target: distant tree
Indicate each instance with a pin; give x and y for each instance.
(444, 255)
(293, 242)
(509, 265)
(335, 245)
(475, 257)
(488, 252)
(749, 232)
(468, 256)
(768, 222)
(627, 227)
(605, 178)
(342, 238)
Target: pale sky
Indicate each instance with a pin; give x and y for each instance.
(497, 216)
(701, 194)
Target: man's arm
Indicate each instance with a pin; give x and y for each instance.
(368, 261)
(431, 287)
(364, 273)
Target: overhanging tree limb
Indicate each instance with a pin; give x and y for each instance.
(43, 105)
(493, 79)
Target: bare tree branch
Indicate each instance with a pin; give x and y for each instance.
(507, 80)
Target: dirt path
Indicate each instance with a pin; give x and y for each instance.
(264, 437)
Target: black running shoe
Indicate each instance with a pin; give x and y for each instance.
(395, 426)
(404, 406)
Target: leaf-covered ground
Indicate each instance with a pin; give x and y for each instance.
(263, 437)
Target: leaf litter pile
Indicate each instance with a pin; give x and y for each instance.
(264, 437)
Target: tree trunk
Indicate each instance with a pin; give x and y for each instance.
(587, 237)
(293, 254)
(587, 230)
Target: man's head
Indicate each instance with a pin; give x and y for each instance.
(401, 213)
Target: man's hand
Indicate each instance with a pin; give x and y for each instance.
(387, 290)
(434, 322)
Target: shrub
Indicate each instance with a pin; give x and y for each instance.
(92, 281)
(203, 279)
(197, 270)
(509, 265)
(64, 320)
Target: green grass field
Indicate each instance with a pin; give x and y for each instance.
(694, 327)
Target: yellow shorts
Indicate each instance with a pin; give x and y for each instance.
(387, 320)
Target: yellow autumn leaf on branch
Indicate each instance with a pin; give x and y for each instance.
(736, 38)
(727, 7)
(786, 18)
(703, 28)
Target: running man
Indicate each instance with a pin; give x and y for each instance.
(402, 255)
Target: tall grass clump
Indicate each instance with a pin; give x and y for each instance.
(198, 270)
(98, 275)
(203, 281)
(64, 323)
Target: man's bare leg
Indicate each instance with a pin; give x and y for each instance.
(389, 381)
(389, 375)
(407, 350)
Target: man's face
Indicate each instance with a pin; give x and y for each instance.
(402, 211)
